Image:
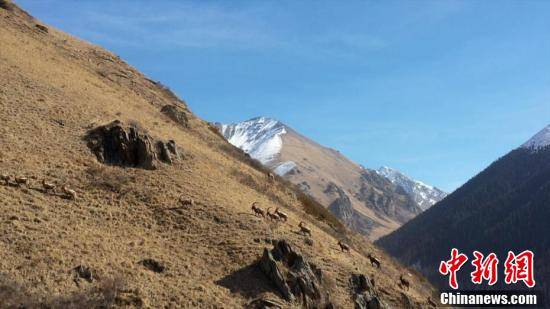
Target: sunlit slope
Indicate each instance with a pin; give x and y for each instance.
(53, 90)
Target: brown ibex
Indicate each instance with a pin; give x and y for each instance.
(272, 216)
(257, 210)
(374, 261)
(69, 192)
(48, 186)
(281, 214)
(20, 180)
(304, 229)
(343, 246)
(404, 282)
(6, 178)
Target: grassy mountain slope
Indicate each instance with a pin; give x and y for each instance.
(54, 88)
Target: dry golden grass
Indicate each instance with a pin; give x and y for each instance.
(53, 89)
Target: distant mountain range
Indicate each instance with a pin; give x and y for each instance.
(371, 202)
(505, 207)
(424, 195)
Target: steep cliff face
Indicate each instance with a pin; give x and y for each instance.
(385, 198)
(422, 194)
(342, 208)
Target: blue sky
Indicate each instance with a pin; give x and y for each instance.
(437, 89)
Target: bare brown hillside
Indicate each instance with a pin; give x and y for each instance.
(127, 240)
(377, 207)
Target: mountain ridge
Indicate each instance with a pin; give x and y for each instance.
(373, 203)
(424, 195)
(539, 140)
(259, 137)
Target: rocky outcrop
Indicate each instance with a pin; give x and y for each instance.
(271, 270)
(364, 294)
(129, 145)
(6, 5)
(385, 198)
(332, 188)
(177, 113)
(295, 277)
(168, 151)
(342, 208)
(424, 195)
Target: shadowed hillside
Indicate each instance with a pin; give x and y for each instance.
(505, 207)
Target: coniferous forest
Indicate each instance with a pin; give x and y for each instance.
(504, 208)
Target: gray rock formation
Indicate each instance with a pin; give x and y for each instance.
(364, 293)
(385, 198)
(294, 276)
(177, 113)
(343, 209)
(129, 145)
(271, 270)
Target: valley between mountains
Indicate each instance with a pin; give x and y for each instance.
(115, 194)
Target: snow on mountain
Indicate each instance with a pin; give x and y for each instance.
(378, 205)
(261, 138)
(540, 140)
(424, 195)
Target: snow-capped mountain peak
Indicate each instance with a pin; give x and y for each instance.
(424, 195)
(260, 137)
(539, 140)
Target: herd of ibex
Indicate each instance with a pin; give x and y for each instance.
(47, 186)
(277, 215)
